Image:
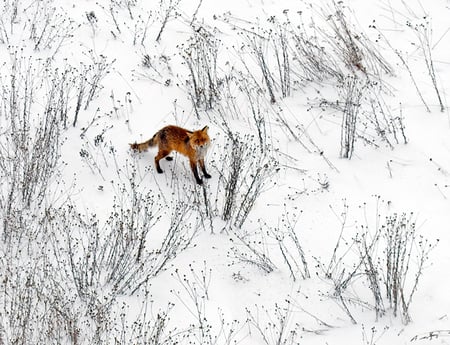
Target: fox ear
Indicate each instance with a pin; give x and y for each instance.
(205, 129)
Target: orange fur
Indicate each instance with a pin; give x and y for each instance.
(193, 145)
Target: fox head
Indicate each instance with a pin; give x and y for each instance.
(199, 140)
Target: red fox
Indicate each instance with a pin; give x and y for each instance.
(172, 138)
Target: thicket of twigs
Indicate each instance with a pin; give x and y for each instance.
(386, 257)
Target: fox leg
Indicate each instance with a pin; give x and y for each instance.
(195, 171)
(161, 154)
(202, 166)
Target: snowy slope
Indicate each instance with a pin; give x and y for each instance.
(99, 248)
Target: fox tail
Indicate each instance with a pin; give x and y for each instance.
(143, 146)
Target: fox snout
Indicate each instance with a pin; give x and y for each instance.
(201, 150)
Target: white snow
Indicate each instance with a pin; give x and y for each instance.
(210, 295)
